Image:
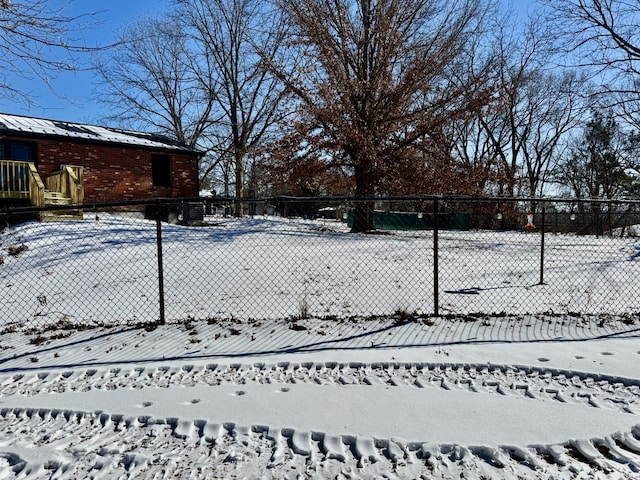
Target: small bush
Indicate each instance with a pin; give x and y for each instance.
(15, 250)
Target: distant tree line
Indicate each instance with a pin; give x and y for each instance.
(385, 97)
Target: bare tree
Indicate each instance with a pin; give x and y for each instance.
(604, 37)
(551, 107)
(37, 41)
(607, 29)
(598, 165)
(153, 79)
(375, 81)
(236, 37)
(481, 140)
(522, 135)
(197, 76)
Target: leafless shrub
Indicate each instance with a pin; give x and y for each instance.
(15, 250)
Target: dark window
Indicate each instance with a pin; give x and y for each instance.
(19, 151)
(161, 170)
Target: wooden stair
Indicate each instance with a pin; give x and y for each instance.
(20, 181)
(57, 199)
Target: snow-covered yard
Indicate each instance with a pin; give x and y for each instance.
(269, 268)
(257, 392)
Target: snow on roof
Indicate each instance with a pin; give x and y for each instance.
(55, 128)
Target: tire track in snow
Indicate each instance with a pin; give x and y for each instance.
(535, 383)
(106, 442)
(74, 444)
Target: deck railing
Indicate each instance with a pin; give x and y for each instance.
(21, 180)
(14, 179)
(36, 186)
(68, 181)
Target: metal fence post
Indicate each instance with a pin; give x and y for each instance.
(542, 231)
(160, 267)
(436, 300)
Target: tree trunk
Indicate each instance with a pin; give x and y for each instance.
(237, 212)
(363, 213)
(363, 217)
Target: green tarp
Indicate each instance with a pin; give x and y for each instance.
(416, 221)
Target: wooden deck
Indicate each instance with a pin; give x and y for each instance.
(14, 179)
(21, 180)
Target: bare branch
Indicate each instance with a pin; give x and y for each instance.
(602, 35)
(39, 41)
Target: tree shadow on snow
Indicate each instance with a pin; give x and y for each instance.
(387, 337)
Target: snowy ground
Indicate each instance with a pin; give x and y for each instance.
(270, 268)
(400, 396)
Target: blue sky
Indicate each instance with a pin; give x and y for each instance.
(74, 97)
(76, 100)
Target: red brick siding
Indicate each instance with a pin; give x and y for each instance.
(117, 173)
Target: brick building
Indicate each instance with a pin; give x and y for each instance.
(116, 165)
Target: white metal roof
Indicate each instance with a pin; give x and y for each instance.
(39, 126)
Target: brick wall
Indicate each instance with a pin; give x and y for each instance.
(118, 173)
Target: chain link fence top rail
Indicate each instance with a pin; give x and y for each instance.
(297, 258)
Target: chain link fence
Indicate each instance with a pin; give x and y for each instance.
(184, 260)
